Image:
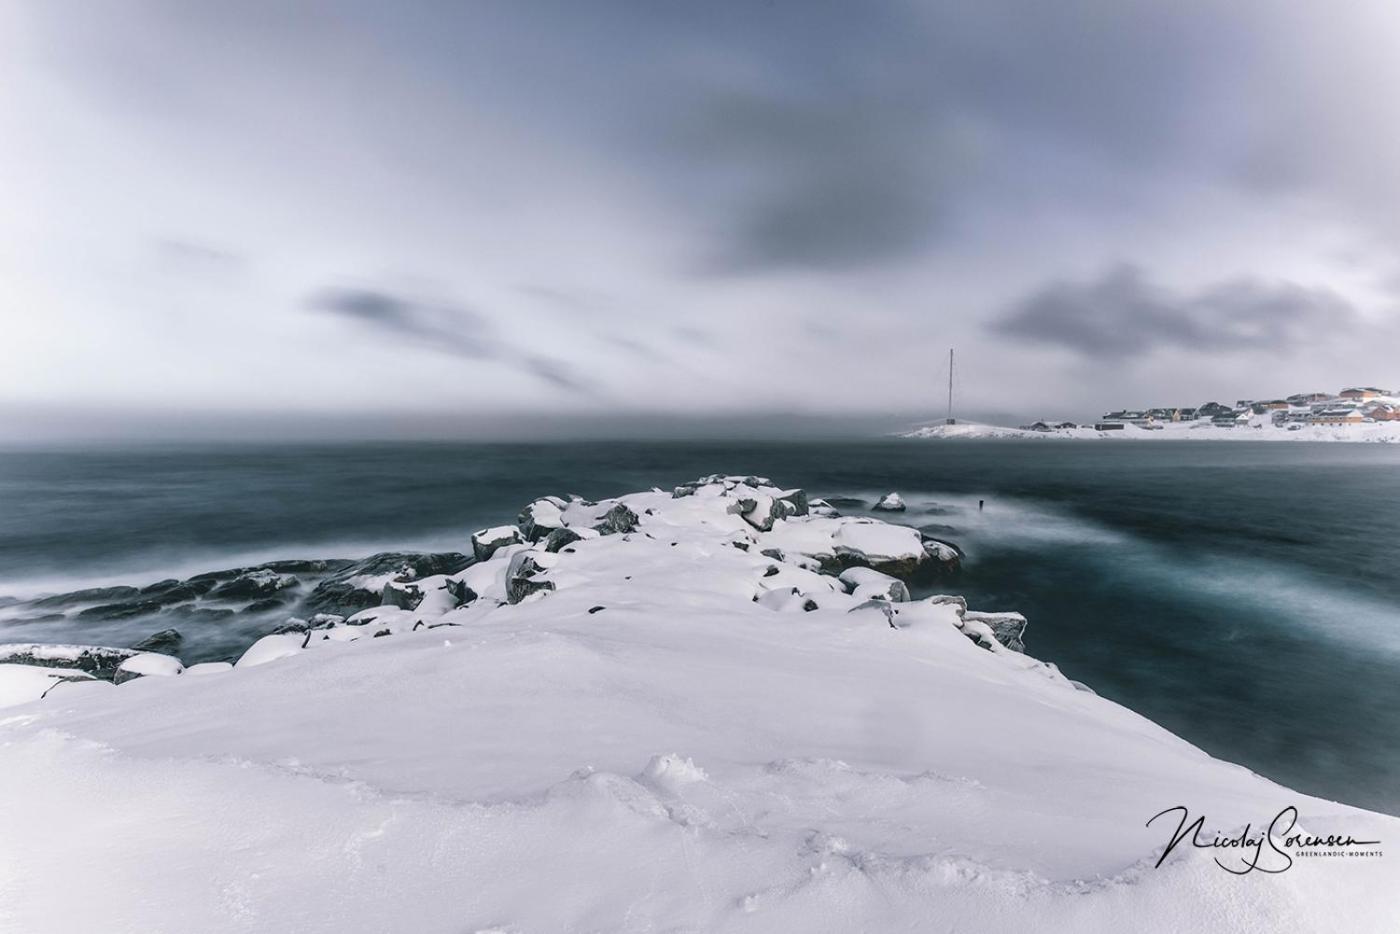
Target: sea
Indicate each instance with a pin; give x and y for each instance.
(1244, 596)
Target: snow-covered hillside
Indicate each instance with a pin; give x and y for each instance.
(665, 712)
(1378, 432)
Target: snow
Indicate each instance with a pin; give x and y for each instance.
(20, 684)
(150, 664)
(1376, 433)
(685, 758)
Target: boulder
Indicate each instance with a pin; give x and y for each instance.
(542, 517)
(405, 596)
(890, 502)
(618, 520)
(253, 585)
(97, 660)
(121, 610)
(147, 664)
(167, 642)
(1009, 629)
(90, 595)
(561, 538)
(486, 542)
(360, 584)
(271, 648)
(522, 578)
(869, 584)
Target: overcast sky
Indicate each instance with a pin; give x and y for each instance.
(366, 212)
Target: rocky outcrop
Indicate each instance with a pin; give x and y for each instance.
(361, 585)
(890, 502)
(166, 642)
(1007, 629)
(100, 661)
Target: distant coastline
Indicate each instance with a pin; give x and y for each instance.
(1365, 414)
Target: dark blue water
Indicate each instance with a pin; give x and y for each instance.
(1246, 596)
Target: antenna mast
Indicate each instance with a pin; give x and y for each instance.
(950, 385)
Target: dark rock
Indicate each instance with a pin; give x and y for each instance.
(306, 565)
(383, 632)
(265, 605)
(165, 642)
(535, 520)
(775, 553)
(121, 610)
(253, 585)
(160, 586)
(521, 580)
(595, 609)
(336, 595)
(99, 661)
(1008, 628)
(90, 595)
(291, 625)
(404, 596)
(200, 614)
(181, 592)
(41, 618)
(559, 538)
(488, 541)
(797, 501)
(460, 591)
(618, 520)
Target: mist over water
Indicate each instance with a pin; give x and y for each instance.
(1244, 596)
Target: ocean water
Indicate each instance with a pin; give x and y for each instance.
(1245, 596)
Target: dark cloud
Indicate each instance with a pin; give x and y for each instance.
(453, 329)
(1122, 313)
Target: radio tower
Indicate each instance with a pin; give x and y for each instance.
(951, 420)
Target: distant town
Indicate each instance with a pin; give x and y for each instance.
(1353, 406)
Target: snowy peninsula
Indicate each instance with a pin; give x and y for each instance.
(714, 708)
(1356, 414)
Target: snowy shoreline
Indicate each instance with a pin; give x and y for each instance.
(1379, 433)
(712, 708)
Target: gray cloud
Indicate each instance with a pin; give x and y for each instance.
(453, 329)
(1122, 313)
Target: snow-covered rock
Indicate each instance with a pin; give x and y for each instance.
(98, 660)
(147, 664)
(488, 541)
(890, 502)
